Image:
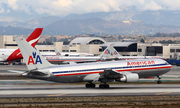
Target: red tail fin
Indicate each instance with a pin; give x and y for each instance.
(32, 39)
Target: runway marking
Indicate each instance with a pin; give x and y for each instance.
(29, 81)
(58, 94)
(163, 93)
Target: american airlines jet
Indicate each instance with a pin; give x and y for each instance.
(106, 55)
(120, 71)
(15, 54)
(117, 56)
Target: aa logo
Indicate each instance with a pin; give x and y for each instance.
(36, 57)
(107, 52)
(58, 54)
(115, 53)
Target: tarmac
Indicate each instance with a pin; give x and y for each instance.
(39, 88)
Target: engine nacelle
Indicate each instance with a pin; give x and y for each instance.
(129, 78)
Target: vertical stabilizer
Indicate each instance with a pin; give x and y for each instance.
(107, 52)
(32, 39)
(115, 53)
(31, 56)
(110, 51)
(57, 52)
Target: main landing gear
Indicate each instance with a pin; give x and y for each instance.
(159, 80)
(104, 85)
(90, 85)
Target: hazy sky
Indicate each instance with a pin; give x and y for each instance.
(9, 8)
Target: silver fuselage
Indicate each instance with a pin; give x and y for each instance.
(77, 73)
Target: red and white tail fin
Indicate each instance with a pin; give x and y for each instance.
(32, 39)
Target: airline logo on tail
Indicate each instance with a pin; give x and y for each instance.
(58, 54)
(36, 57)
(107, 51)
(115, 53)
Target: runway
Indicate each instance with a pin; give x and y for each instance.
(80, 90)
(39, 88)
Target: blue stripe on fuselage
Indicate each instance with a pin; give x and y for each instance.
(98, 69)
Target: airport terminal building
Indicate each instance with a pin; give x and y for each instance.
(96, 45)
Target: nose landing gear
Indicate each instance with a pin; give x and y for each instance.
(159, 80)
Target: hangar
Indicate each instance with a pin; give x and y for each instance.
(87, 40)
(85, 45)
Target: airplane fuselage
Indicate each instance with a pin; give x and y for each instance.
(89, 72)
(5, 53)
(61, 59)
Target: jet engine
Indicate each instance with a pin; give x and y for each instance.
(129, 78)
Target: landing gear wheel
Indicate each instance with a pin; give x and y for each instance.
(106, 86)
(103, 86)
(159, 82)
(93, 85)
(90, 85)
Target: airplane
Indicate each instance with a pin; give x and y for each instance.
(73, 54)
(67, 54)
(117, 56)
(7, 55)
(58, 59)
(127, 71)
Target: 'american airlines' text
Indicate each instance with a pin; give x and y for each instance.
(140, 63)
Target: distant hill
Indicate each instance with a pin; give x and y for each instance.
(34, 23)
(123, 23)
(159, 17)
(15, 31)
(95, 26)
(100, 26)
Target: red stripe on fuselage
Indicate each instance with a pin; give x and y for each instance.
(68, 60)
(82, 73)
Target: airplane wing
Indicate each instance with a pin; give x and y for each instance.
(15, 71)
(71, 63)
(111, 75)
